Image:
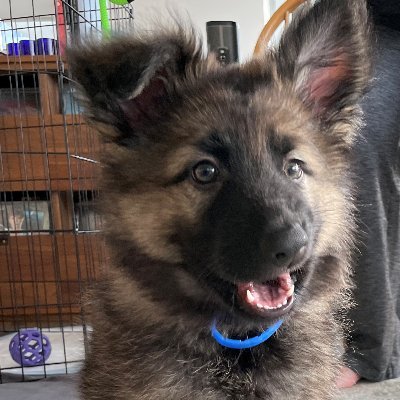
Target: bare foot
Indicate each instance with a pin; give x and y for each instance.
(347, 378)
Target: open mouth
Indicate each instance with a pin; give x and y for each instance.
(271, 298)
(266, 300)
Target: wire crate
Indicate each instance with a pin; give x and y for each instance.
(50, 234)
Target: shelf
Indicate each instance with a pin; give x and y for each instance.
(51, 136)
(53, 258)
(43, 154)
(33, 121)
(45, 63)
(42, 275)
(48, 275)
(40, 172)
(72, 138)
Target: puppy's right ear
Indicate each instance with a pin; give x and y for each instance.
(326, 54)
(125, 82)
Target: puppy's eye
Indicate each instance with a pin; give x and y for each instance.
(205, 172)
(293, 169)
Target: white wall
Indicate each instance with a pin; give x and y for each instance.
(248, 14)
(23, 8)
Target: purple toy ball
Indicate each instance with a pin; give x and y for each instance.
(30, 347)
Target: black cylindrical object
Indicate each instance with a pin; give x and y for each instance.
(222, 40)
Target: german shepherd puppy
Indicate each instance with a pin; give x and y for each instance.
(228, 201)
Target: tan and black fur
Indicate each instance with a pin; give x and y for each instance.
(178, 246)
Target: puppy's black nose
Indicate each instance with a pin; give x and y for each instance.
(288, 246)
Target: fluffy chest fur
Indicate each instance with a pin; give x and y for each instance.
(180, 360)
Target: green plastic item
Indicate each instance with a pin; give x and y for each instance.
(105, 21)
(121, 2)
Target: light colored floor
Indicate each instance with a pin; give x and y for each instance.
(60, 388)
(64, 388)
(387, 390)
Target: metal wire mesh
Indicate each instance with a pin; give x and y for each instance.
(50, 234)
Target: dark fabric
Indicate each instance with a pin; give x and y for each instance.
(386, 12)
(375, 353)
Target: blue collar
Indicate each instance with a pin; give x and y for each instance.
(247, 343)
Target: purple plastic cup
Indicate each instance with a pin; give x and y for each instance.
(27, 47)
(46, 46)
(13, 49)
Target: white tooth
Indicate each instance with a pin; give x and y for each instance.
(250, 297)
(279, 306)
(267, 308)
(259, 306)
(284, 303)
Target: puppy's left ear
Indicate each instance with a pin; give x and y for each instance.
(127, 82)
(326, 54)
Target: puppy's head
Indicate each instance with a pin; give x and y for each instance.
(234, 179)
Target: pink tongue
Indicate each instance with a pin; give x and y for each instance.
(268, 295)
(285, 281)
